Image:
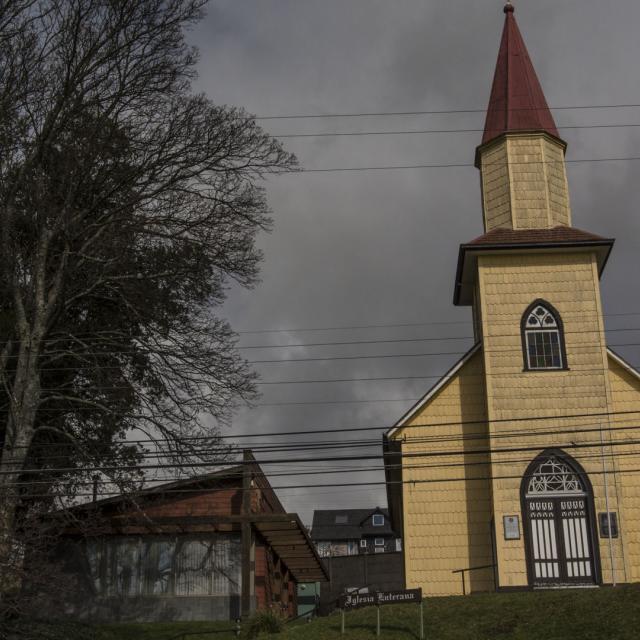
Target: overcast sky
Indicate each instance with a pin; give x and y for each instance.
(380, 247)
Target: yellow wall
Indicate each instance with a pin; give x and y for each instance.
(447, 518)
(625, 390)
(508, 284)
(449, 500)
(524, 183)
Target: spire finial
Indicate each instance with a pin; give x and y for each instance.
(508, 7)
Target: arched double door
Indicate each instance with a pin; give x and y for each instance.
(559, 522)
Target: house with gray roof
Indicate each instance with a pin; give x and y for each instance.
(351, 532)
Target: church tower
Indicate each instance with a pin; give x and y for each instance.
(533, 428)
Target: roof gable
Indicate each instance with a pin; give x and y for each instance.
(435, 390)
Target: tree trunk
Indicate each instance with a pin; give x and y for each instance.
(19, 430)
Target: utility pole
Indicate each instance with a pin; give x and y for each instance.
(248, 549)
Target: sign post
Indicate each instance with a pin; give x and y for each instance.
(378, 620)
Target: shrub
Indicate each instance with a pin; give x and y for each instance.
(265, 621)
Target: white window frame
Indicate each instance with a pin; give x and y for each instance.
(377, 524)
(363, 543)
(379, 550)
(379, 542)
(540, 314)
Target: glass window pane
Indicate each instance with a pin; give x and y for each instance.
(124, 561)
(226, 571)
(157, 563)
(194, 562)
(543, 349)
(94, 560)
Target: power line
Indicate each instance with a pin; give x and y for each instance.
(581, 347)
(103, 388)
(362, 114)
(364, 444)
(338, 134)
(105, 335)
(343, 470)
(333, 485)
(350, 458)
(339, 343)
(431, 425)
(454, 165)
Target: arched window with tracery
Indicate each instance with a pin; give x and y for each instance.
(542, 337)
(554, 476)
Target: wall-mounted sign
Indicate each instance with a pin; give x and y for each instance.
(511, 527)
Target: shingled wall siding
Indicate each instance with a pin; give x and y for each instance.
(524, 183)
(447, 518)
(558, 188)
(508, 284)
(495, 187)
(625, 389)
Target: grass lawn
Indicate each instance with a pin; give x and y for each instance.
(575, 614)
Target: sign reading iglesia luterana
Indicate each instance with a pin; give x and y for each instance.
(357, 600)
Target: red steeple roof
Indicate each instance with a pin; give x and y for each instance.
(517, 102)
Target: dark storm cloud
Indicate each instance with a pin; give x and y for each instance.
(380, 247)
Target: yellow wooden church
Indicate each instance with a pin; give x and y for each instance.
(520, 468)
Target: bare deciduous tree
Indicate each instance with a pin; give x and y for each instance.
(127, 205)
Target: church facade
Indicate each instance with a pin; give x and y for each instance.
(520, 468)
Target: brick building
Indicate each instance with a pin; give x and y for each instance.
(217, 546)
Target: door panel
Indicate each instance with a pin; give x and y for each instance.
(559, 544)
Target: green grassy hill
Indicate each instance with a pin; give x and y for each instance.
(576, 614)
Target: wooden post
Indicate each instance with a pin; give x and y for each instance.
(421, 619)
(246, 534)
(378, 620)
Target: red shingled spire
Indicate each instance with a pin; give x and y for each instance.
(517, 102)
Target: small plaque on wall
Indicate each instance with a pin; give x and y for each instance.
(511, 527)
(608, 524)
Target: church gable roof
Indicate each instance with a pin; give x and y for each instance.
(517, 102)
(435, 390)
(618, 359)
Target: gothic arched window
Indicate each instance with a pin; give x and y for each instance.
(542, 337)
(553, 475)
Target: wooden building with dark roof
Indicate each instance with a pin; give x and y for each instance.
(212, 547)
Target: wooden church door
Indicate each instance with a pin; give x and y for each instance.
(559, 526)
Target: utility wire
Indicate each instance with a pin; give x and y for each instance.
(431, 425)
(351, 458)
(334, 485)
(454, 165)
(87, 452)
(94, 387)
(107, 334)
(369, 469)
(583, 348)
(435, 112)
(338, 134)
